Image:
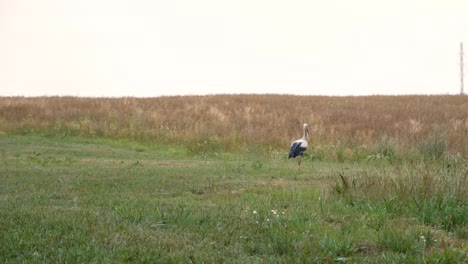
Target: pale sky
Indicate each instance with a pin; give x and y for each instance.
(150, 48)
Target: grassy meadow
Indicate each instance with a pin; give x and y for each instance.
(206, 179)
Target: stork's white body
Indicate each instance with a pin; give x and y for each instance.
(303, 141)
(299, 146)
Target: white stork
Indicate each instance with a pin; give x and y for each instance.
(299, 146)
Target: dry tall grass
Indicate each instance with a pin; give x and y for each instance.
(237, 120)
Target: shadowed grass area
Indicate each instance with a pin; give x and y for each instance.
(65, 199)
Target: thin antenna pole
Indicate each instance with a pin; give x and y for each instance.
(461, 68)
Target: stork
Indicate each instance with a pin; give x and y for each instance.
(299, 146)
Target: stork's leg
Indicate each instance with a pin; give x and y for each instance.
(299, 160)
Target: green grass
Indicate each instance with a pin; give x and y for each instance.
(82, 200)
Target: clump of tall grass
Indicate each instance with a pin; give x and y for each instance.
(426, 191)
(387, 147)
(434, 146)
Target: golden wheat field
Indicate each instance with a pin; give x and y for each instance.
(235, 121)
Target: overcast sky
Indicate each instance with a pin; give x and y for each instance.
(178, 47)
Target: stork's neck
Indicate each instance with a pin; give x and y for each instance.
(304, 134)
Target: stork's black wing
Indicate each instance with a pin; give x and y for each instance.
(295, 150)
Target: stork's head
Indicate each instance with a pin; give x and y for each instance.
(306, 129)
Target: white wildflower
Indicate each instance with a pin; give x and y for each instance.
(341, 259)
(423, 239)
